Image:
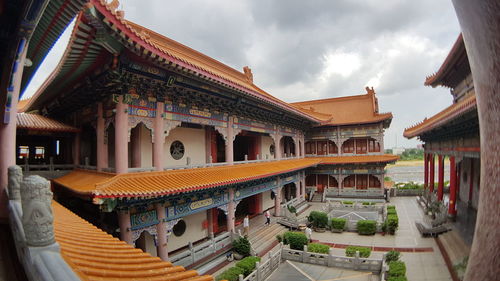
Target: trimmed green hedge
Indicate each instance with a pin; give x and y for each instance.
(248, 264)
(296, 240)
(367, 227)
(347, 202)
(397, 269)
(392, 256)
(231, 274)
(318, 248)
(363, 251)
(397, 278)
(318, 219)
(242, 246)
(338, 223)
(391, 207)
(391, 211)
(368, 203)
(392, 223)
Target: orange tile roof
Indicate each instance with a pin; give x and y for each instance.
(360, 109)
(449, 113)
(42, 123)
(152, 184)
(96, 255)
(359, 159)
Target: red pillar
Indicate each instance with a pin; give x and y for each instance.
(431, 174)
(471, 180)
(426, 170)
(440, 177)
(453, 187)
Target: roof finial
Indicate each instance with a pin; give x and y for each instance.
(113, 5)
(369, 90)
(248, 74)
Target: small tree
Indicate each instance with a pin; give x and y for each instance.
(242, 246)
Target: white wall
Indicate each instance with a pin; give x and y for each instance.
(267, 202)
(146, 147)
(465, 179)
(194, 146)
(194, 231)
(146, 242)
(266, 142)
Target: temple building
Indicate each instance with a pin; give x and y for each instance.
(160, 145)
(453, 133)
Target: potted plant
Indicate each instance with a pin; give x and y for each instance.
(338, 225)
(319, 221)
(241, 248)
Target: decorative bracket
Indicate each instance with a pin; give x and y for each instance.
(133, 121)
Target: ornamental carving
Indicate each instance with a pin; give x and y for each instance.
(169, 125)
(38, 221)
(137, 233)
(133, 121)
(224, 133)
(15, 179)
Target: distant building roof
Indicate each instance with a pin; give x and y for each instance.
(96, 255)
(42, 123)
(360, 109)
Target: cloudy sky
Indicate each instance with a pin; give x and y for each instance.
(302, 50)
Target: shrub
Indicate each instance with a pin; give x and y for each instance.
(367, 227)
(279, 237)
(397, 268)
(292, 209)
(363, 251)
(347, 202)
(318, 248)
(230, 274)
(392, 256)
(391, 207)
(242, 246)
(297, 240)
(368, 203)
(247, 264)
(392, 223)
(397, 278)
(391, 211)
(338, 223)
(318, 219)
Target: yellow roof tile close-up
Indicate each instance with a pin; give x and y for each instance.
(150, 184)
(42, 123)
(97, 256)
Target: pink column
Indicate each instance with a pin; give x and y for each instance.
(426, 170)
(277, 147)
(297, 189)
(76, 149)
(8, 127)
(303, 146)
(159, 138)
(440, 177)
(102, 153)
(229, 142)
(161, 233)
(277, 199)
(121, 137)
(230, 211)
(124, 224)
(208, 145)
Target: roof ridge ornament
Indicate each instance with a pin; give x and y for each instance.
(248, 74)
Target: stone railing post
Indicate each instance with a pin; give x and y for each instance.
(241, 278)
(37, 220)
(191, 249)
(330, 258)
(15, 177)
(304, 254)
(357, 261)
(259, 270)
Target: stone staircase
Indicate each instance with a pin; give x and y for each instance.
(317, 197)
(454, 246)
(263, 238)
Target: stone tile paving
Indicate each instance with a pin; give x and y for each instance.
(297, 271)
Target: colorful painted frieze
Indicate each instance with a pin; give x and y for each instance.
(193, 114)
(254, 189)
(143, 219)
(188, 208)
(253, 126)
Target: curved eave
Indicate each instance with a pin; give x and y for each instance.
(441, 118)
(56, 17)
(154, 52)
(457, 50)
(385, 117)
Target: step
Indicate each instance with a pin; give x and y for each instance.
(269, 235)
(203, 269)
(264, 232)
(271, 240)
(454, 246)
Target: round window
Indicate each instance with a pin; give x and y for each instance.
(177, 150)
(271, 149)
(179, 228)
